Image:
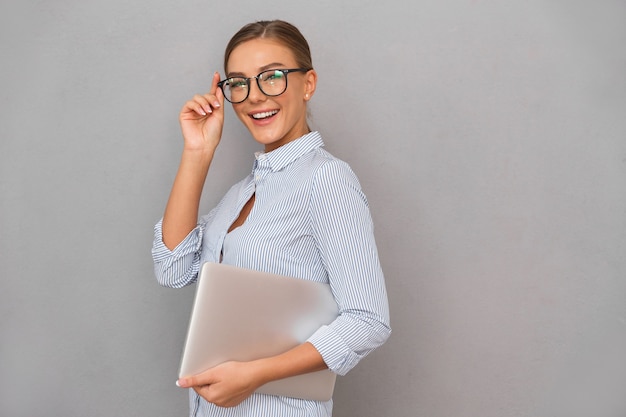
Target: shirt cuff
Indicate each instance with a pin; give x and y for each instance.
(178, 267)
(336, 354)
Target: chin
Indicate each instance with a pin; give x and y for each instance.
(266, 138)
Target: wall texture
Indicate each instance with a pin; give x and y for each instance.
(490, 138)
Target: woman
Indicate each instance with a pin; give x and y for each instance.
(300, 213)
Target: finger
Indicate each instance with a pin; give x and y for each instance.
(204, 378)
(197, 105)
(186, 382)
(220, 96)
(216, 92)
(214, 101)
(214, 81)
(205, 102)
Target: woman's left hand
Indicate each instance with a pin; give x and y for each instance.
(225, 385)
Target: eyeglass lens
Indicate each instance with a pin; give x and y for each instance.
(271, 83)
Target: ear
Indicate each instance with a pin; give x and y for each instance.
(310, 82)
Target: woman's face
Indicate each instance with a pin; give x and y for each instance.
(272, 121)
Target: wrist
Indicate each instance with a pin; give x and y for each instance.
(299, 360)
(198, 154)
(260, 372)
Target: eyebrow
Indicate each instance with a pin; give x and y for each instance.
(261, 69)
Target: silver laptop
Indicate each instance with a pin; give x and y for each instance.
(239, 314)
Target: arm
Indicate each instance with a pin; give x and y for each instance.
(181, 211)
(230, 383)
(178, 237)
(344, 234)
(201, 120)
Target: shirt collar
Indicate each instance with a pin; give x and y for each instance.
(289, 152)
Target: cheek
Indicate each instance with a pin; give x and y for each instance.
(241, 114)
(291, 102)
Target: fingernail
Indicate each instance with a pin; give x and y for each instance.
(177, 384)
(216, 104)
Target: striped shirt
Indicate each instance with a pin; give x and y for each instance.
(310, 220)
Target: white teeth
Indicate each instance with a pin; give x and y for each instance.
(264, 114)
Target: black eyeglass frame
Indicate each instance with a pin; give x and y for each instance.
(258, 83)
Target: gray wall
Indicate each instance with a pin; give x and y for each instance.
(490, 138)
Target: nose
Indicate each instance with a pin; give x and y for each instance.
(256, 95)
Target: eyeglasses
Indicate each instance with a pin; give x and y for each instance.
(272, 83)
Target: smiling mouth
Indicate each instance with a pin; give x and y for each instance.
(264, 115)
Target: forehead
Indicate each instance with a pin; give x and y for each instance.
(256, 55)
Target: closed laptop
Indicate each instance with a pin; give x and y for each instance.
(240, 314)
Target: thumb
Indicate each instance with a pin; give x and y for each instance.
(204, 378)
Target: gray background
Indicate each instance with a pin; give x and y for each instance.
(490, 138)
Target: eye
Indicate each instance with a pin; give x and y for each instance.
(238, 83)
(272, 75)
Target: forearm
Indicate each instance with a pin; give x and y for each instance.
(302, 359)
(350, 338)
(178, 268)
(181, 212)
(231, 382)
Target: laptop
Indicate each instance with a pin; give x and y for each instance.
(240, 314)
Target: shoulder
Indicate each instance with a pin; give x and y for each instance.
(330, 169)
(333, 182)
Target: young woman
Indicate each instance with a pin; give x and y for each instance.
(300, 213)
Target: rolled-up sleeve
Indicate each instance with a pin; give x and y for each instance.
(179, 267)
(343, 230)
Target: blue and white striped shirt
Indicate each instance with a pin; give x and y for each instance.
(310, 220)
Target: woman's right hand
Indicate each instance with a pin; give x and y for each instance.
(202, 118)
